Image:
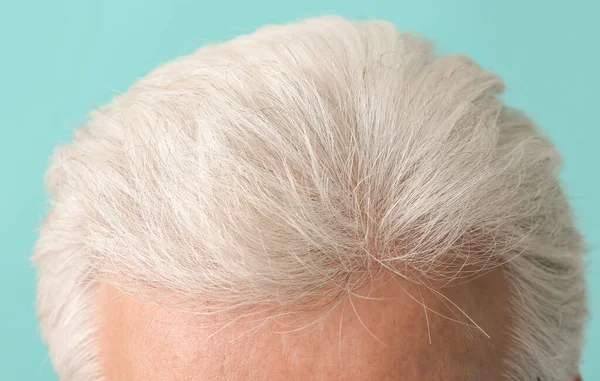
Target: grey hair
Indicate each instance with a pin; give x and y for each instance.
(287, 165)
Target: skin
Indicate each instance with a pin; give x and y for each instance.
(360, 339)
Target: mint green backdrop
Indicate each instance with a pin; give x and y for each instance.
(61, 58)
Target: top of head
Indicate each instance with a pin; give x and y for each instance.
(280, 170)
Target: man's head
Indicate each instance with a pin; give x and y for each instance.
(324, 200)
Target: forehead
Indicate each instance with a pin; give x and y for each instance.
(388, 330)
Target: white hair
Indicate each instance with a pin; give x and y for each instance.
(288, 164)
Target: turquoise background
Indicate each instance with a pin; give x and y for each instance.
(59, 59)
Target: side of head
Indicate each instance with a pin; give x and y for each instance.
(286, 171)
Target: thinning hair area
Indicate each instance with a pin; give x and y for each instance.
(285, 169)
